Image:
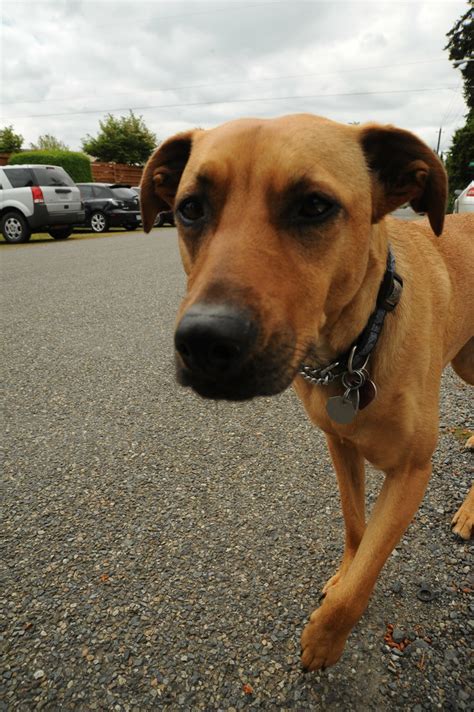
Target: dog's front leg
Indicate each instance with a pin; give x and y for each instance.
(325, 635)
(350, 470)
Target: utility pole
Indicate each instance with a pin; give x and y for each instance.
(439, 140)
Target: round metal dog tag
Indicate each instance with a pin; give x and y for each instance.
(341, 409)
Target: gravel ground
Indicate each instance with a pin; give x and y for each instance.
(163, 552)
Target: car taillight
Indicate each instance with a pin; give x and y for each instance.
(470, 192)
(37, 194)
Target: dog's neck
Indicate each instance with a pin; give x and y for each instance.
(344, 325)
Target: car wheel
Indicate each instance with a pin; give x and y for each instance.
(60, 233)
(99, 222)
(159, 221)
(14, 228)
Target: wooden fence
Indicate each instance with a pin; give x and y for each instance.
(116, 173)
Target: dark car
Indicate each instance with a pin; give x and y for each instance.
(110, 205)
(165, 218)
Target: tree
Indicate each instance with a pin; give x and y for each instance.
(461, 46)
(123, 140)
(460, 156)
(46, 142)
(10, 141)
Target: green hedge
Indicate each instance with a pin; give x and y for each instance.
(76, 164)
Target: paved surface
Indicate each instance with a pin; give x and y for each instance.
(162, 552)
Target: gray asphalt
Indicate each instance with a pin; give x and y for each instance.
(163, 552)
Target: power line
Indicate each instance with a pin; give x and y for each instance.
(229, 101)
(451, 103)
(233, 83)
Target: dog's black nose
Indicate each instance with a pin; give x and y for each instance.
(215, 340)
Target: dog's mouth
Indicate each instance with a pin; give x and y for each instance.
(221, 353)
(260, 376)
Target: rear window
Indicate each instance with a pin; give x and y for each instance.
(52, 175)
(20, 177)
(124, 193)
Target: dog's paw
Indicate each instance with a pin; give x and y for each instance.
(334, 580)
(463, 521)
(338, 576)
(321, 644)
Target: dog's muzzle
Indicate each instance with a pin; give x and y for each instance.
(214, 342)
(220, 355)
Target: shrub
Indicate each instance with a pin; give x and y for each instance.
(76, 164)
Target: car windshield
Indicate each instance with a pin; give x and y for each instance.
(52, 175)
(124, 193)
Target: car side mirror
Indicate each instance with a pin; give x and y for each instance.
(457, 193)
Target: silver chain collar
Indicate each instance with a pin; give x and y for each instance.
(320, 376)
(325, 375)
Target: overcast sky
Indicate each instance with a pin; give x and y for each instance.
(67, 63)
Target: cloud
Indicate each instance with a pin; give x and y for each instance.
(181, 64)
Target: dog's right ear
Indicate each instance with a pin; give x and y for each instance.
(161, 176)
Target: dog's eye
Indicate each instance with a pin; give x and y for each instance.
(190, 210)
(314, 207)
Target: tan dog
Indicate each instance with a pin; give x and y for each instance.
(283, 238)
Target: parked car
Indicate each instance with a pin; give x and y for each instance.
(110, 205)
(406, 212)
(38, 198)
(165, 218)
(464, 203)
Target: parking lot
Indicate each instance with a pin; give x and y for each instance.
(164, 552)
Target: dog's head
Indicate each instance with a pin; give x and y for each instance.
(277, 223)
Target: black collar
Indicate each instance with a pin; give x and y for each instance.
(358, 354)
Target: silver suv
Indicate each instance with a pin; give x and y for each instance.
(38, 198)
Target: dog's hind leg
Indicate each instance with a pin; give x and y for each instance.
(463, 362)
(350, 471)
(463, 520)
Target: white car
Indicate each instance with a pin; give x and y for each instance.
(406, 212)
(464, 203)
(35, 198)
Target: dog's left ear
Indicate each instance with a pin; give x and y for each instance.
(404, 169)
(162, 174)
